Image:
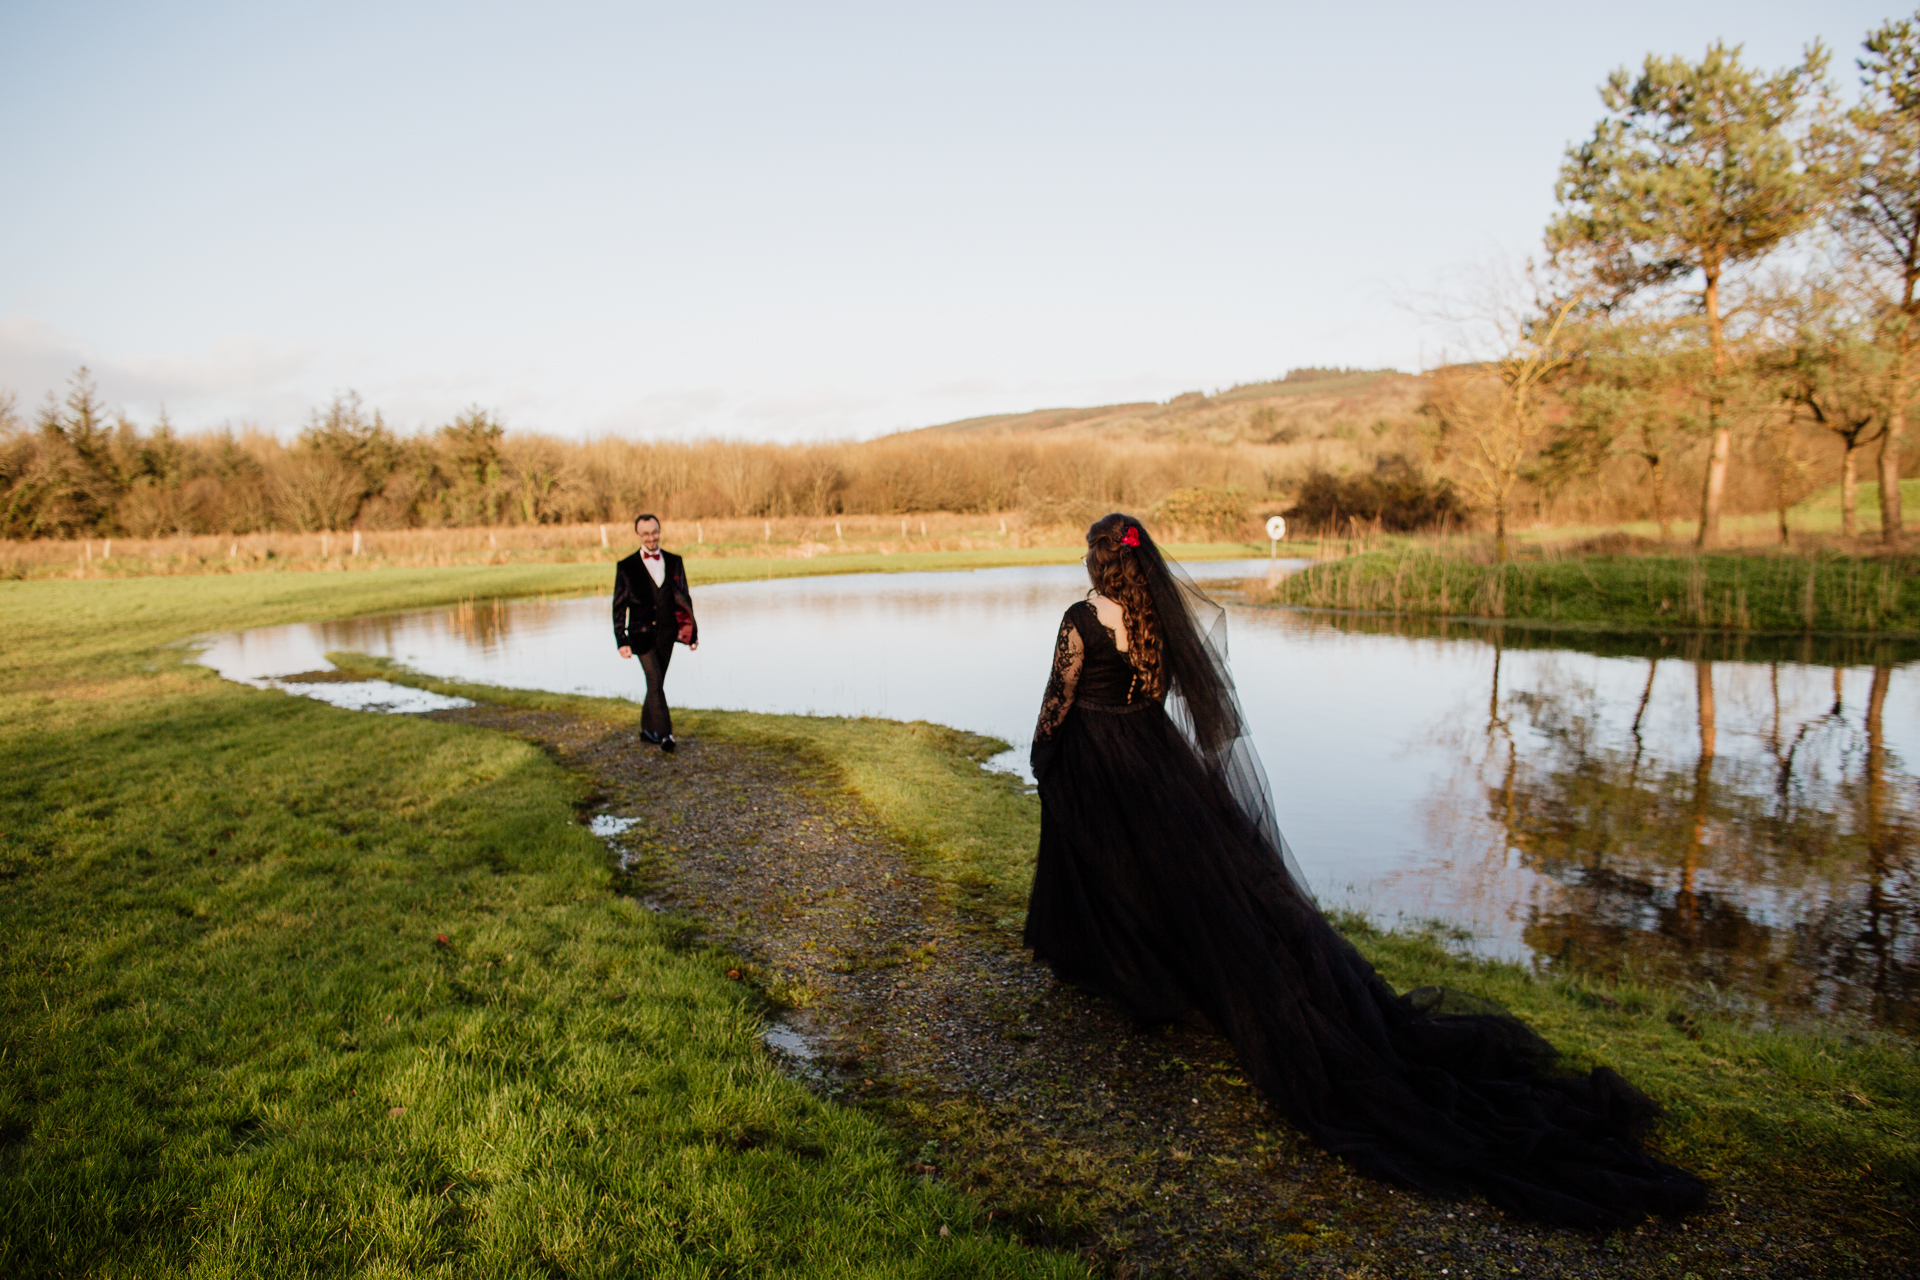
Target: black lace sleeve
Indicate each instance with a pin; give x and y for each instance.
(1069, 652)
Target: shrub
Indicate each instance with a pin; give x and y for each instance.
(1396, 494)
(1218, 511)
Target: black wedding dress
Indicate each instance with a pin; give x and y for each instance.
(1163, 883)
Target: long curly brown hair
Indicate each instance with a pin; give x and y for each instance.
(1116, 574)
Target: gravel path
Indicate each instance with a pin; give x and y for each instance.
(1144, 1150)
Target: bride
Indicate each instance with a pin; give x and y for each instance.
(1164, 884)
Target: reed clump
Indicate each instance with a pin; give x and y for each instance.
(1733, 593)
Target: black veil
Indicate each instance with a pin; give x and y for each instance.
(1201, 699)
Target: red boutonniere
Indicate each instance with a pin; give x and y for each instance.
(1131, 537)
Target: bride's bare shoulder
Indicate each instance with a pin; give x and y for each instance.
(1112, 618)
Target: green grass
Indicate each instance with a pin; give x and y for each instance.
(219, 976)
(1822, 1114)
(1727, 593)
(1821, 512)
(976, 830)
(233, 1046)
(1819, 1113)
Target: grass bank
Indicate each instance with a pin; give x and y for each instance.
(233, 1042)
(290, 990)
(1817, 1115)
(1725, 593)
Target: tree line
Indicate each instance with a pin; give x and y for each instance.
(79, 470)
(1735, 258)
(1728, 296)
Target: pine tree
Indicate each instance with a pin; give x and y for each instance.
(1691, 173)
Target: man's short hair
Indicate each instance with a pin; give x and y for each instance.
(645, 515)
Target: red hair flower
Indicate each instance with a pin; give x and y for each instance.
(1131, 537)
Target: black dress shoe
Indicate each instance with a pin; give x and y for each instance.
(650, 737)
(666, 744)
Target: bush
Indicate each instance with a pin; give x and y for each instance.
(1396, 494)
(1221, 512)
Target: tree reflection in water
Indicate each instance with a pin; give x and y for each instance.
(1782, 875)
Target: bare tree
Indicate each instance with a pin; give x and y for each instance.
(1491, 417)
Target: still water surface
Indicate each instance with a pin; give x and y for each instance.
(1749, 823)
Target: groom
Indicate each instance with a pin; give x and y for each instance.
(652, 608)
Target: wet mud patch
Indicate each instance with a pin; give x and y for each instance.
(1143, 1149)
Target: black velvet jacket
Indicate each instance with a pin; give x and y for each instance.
(642, 612)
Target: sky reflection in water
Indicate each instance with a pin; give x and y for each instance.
(1749, 823)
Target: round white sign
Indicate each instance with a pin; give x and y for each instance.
(1277, 527)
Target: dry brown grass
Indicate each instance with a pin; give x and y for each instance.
(777, 537)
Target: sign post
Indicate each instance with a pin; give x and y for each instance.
(1276, 530)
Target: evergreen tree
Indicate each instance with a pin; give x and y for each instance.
(1691, 173)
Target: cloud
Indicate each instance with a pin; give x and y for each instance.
(242, 378)
(237, 376)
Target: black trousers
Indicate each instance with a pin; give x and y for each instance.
(654, 715)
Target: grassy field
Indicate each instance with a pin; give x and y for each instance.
(1826, 1115)
(290, 990)
(1817, 516)
(235, 1043)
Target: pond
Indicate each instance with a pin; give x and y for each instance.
(1726, 813)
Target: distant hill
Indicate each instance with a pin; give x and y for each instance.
(1307, 404)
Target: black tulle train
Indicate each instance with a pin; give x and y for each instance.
(1158, 888)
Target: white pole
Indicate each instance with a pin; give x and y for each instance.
(769, 527)
(837, 533)
(603, 535)
(108, 553)
(356, 542)
(699, 532)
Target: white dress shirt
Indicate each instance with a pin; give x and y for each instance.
(656, 563)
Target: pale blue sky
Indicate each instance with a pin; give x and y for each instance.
(776, 221)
